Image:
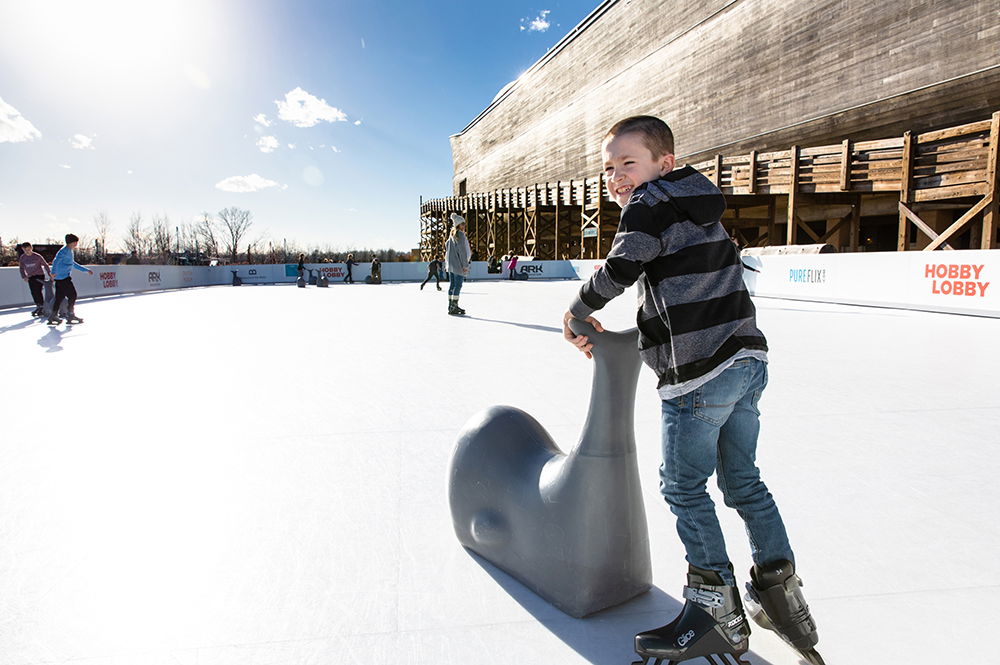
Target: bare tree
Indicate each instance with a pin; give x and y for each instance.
(206, 231)
(137, 238)
(103, 225)
(235, 224)
(162, 237)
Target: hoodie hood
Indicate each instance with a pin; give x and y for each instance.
(694, 195)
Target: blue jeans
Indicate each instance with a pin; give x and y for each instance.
(714, 429)
(455, 284)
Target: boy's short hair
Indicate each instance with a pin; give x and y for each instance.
(70, 238)
(25, 245)
(656, 135)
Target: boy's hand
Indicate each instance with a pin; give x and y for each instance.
(581, 342)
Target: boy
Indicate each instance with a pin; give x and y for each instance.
(697, 330)
(62, 266)
(434, 270)
(35, 271)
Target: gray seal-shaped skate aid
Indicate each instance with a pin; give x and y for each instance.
(570, 526)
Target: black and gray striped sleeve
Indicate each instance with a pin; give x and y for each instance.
(636, 242)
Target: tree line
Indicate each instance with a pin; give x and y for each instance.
(223, 237)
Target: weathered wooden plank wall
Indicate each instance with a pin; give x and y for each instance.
(735, 75)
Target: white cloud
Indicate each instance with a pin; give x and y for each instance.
(291, 146)
(65, 166)
(130, 171)
(362, 42)
(538, 24)
(246, 183)
(267, 143)
(334, 148)
(14, 127)
(357, 123)
(262, 120)
(82, 142)
(304, 110)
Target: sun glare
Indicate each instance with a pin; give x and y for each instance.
(113, 42)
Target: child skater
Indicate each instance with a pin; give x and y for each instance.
(35, 271)
(698, 331)
(62, 266)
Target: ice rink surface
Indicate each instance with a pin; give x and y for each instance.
(258, 476)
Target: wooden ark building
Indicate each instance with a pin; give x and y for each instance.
(866, 125)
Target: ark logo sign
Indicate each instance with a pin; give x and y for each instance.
(109, 279)
(187, 276)
(957, 279)
(154, 278)
(252, 275)
(807, 276)
(529, 269)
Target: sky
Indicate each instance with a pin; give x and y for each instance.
(326, 120)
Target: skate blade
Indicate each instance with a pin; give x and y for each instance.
(812, 657)
(713, 659)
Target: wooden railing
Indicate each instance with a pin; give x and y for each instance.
(943, 164)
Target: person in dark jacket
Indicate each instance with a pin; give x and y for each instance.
(35, 271)
(434, 270)
(350, 263)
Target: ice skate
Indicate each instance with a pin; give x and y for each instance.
(37, 311)
(73, 318)
(53, 320)
(774, 600)
(711, 625)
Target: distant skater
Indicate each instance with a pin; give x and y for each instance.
(457, 254)
(376, 270)
(35, 271)
(62, 267)
(350, 263)
(512, 266)
(434, 270)
(302, 266)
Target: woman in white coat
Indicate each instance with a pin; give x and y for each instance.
(457, 257)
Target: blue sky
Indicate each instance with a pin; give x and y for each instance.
(125, 106)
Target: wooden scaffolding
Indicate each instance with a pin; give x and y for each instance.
(932, 189)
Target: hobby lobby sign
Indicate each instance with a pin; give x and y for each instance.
(956, 279)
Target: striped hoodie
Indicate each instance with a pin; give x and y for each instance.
(695, 315)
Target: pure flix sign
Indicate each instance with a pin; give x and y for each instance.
(807, 276)
(957, 279)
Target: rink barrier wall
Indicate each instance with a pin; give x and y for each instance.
(959, 282)
(956, 282)
(121, 279)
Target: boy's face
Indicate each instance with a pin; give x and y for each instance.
(628, 163)
(73, 244)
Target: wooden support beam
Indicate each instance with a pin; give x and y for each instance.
(836, 227)
(793, 186)
(772, 226)
(845, 165)
(959, 223)
(855, 233)
(753, 171)
(717, 176)
(809, 232)
(905, 191)
(991, 214)
(920, 224)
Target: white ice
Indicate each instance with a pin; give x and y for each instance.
(258, 475)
